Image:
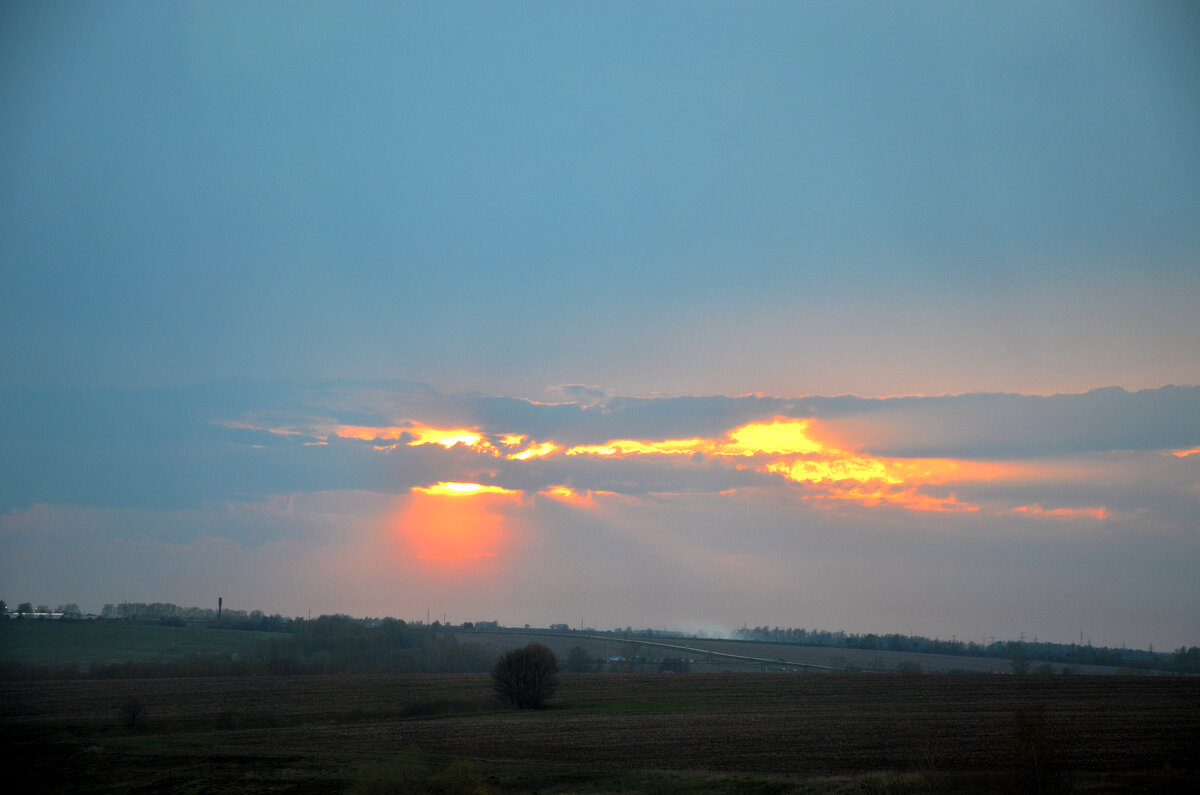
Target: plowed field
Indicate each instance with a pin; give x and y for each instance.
(308, 733)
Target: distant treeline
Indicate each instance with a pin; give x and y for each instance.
(339, 643)
(385, 645)
(174, 615)
(326, 645)
(1182, 660)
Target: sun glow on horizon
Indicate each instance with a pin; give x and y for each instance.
(454, 529)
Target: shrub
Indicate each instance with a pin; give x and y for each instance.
(526, 677)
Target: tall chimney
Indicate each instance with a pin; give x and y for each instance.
(219, 600)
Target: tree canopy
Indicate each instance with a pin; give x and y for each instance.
(526, 677)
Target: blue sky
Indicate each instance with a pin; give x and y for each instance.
(213, 217)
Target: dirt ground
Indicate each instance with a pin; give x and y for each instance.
(308, 734)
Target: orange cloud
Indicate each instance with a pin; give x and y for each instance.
(909, 497)
(623, 447)
(445, 489)
(792, 448)
(561, 492)
(1063, 513)
(782, 435)
(834, 469)
(798, 449)
(568, 495)
(421, 434)
(534, 451)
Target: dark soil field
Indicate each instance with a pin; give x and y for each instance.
(606, 733)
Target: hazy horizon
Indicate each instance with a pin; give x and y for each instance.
(866, 316)
(697, 630)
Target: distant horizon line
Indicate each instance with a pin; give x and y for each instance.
(718, 633)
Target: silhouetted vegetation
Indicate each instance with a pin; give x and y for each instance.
(325, 645)
(389, 645)
(335, 644)
(526, 677)
(1186, 660)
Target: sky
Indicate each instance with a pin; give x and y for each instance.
(868, 316)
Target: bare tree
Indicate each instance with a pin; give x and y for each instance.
(526, 677)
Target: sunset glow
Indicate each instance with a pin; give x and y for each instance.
(786, 446)
(454, 528)
(562, 492)
(369, 434)
(421, 434)
(872, 315)
(834, 469)
(780, 436)
(445, 437)
(1063, 513)
(462, 490)
(535, 451)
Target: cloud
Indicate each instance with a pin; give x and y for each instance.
(1007, 426)
(235, 441)
(577, 393)
(785, 510)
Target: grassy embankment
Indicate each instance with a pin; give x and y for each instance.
(80, 645)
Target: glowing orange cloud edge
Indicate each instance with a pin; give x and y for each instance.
(1063, 513)
(456, 489)
(783, 445)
